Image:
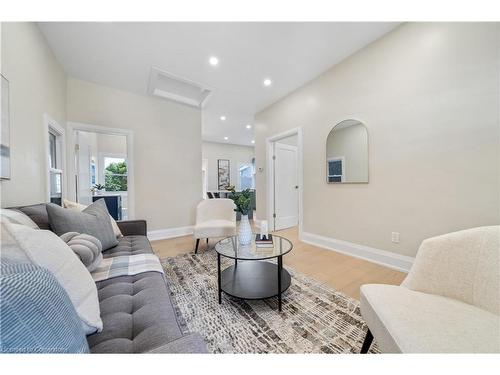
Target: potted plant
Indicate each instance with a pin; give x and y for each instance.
(97, 189)
(243, 201)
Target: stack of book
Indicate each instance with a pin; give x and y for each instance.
(265, 241)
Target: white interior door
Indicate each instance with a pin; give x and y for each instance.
(286, 198)
(83, 158)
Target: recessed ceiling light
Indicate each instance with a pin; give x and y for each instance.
(249, 126)
(214, 61)
(267, 82)
(223, 118)
(253, 141)
(226, 138)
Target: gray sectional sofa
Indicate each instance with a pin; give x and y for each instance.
(137, 312)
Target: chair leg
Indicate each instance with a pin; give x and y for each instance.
(367, 343)
(197, 243)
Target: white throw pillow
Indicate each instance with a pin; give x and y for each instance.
(17, 217)
(46, 249)
(9, 247)
(80, 207)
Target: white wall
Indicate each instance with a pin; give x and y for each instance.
(111, 144)
(37, 86)
(291, 140)
(429, 96)
(167, 148)
(236, 155)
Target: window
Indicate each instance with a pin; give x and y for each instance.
(93, 172)
(336, 169)
(246, 176)
(115, 174)
(55, 163)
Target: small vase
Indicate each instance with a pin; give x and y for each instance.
(244, 231)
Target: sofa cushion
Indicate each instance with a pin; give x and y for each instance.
(129, 245)
(407, 321)
(93, 220)
(37, 314)
(190, 343)
(137, 315)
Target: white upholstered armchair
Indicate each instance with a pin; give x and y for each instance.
(214, 218)
(448, 303)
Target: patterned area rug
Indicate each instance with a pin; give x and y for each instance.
(314, 318)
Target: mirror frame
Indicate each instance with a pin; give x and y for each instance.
(367, 151)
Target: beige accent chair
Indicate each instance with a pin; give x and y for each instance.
(448, 303)
(214, 218)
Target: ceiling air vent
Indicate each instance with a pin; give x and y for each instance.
(181, 90)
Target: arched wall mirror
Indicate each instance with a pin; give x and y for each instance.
(347, 153)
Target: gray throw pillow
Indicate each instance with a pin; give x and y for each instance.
(93, 220)
(86, 247)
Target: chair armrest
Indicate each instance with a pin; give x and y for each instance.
(133, 227)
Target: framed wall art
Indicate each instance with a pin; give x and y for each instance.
(224, 177)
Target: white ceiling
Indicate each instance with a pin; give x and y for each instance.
(121, 55)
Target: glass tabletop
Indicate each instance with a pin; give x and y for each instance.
(230, 247)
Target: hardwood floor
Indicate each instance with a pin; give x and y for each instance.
(339, 271)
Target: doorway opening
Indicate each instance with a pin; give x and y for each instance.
(227, 166)
(102, 168)
(284, 180)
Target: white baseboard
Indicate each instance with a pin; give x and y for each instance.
(286, 222)
(383, 257)
(162, 234)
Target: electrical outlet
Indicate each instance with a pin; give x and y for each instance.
(395, 237)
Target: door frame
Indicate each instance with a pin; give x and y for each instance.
(71, 127)
(270, 174)
(204, 167)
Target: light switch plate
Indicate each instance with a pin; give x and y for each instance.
(395, 237)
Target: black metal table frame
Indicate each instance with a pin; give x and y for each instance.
(280, 271)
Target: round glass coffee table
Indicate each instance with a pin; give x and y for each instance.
(255, 277)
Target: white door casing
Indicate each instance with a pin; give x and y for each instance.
(83, 159)
(286, 203)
